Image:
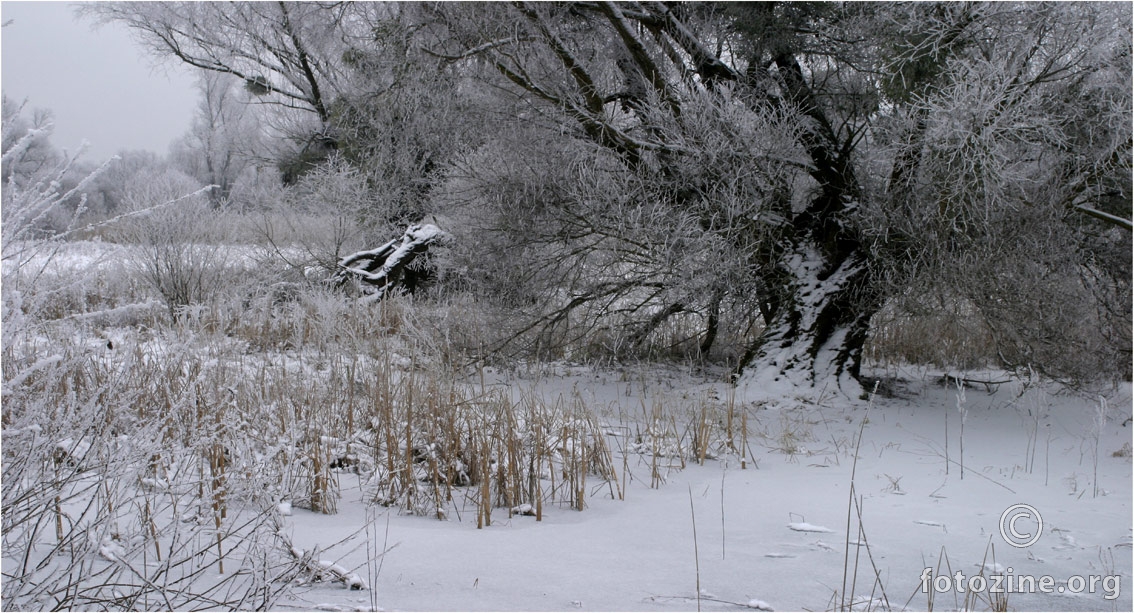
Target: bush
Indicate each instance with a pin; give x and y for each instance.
(183, 255)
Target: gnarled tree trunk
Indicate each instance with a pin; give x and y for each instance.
(817, 322)
(819, 326)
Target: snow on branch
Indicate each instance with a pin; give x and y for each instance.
(479, 49)
(1107, 217)
(382, 268)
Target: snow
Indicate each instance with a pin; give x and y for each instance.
(806, 527)
(759, 605)
(638, 553)
(772, 536)
(110, 551)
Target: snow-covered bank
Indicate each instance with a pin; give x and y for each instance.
(917, 512)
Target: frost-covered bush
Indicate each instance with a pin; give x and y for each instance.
(116, 489)
(108, 503)
(182, 239)
(329, 213)
(31, 199)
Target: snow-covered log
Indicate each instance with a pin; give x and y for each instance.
(379, 270)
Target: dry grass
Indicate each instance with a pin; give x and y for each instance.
(229, 410)
(121, 417)
(949, 340)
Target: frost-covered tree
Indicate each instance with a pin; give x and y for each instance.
(723, 156)
(350, 78)
(35, 155)
(223, 140)
(975, 123)
(287, 55)
(33, 168)
(1009, 194)
(106, 195)
(790, 168)
(407, 114)
(283, 50)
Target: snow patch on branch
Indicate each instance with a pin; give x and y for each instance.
(19, 379)
(380, 266)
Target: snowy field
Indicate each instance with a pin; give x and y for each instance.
(564, 307)
(711, 496)
(774, 535)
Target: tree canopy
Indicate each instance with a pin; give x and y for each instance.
(784, 169)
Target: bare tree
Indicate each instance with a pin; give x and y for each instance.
(222, 142)
(279, 49)
(381, 103)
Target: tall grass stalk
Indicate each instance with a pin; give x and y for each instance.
(963, 410)
(1099, 425)
(844, 602)
(696, 554)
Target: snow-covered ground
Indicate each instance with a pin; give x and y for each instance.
(934, 472)
(775, 535)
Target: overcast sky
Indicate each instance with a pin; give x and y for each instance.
(98, 82)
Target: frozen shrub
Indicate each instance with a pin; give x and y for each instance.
(324, 216)
(183, 255)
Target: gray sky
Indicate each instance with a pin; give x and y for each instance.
(100, 85)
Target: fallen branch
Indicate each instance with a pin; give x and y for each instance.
(382, 268)
(948, 379)
(1107, 217)
(321, 570)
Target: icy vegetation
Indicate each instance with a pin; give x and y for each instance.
(595, 306)
(298, 454)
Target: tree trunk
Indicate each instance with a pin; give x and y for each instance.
(712, 323)
(639, 336)
(819, 327)
(822, 293)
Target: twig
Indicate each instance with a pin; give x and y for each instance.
(696, 556)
